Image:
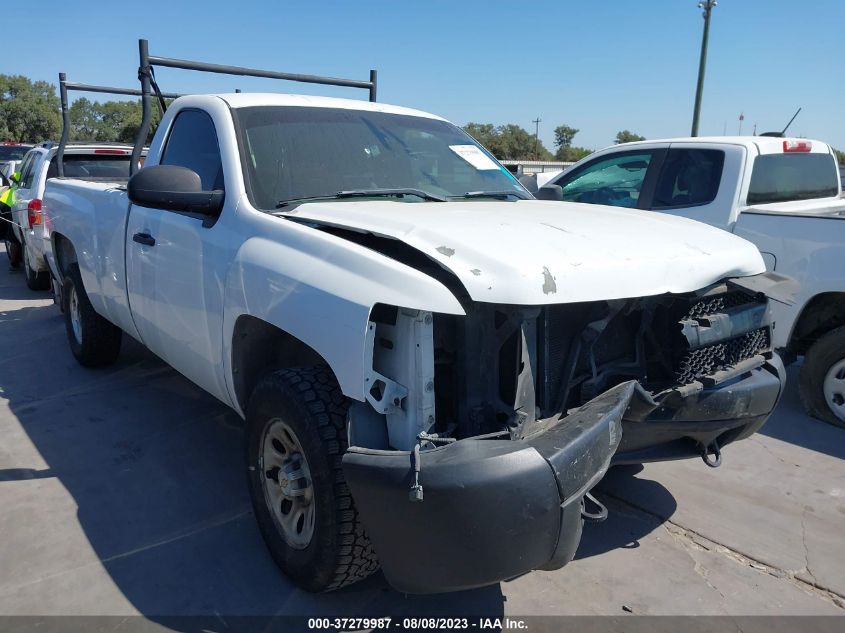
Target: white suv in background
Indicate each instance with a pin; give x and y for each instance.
(92, 161)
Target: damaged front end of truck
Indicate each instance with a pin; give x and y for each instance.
(500, 421)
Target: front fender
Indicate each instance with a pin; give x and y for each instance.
(321, 291)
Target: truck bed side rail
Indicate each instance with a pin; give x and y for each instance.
(64, 87)
(147, 77)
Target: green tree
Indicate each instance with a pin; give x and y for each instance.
(572, 154)
(840, 158)
(564, 136)
(84, 120)
(507, 142)
(109, 121)
(626, 136)
(29, 110)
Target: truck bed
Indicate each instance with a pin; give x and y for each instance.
(92, 215)
(807, 246)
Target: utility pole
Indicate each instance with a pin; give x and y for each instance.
(707, 7)
(741, 119)
(536, 123)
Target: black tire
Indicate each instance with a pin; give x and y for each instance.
(309, 402)
(98, 341)
(34, 280)
(13, 252)
(826, 352)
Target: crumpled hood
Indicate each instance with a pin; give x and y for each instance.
(534, 252)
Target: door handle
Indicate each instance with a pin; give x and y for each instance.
(144, 238)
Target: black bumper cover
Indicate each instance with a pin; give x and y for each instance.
(493, 509)
(725, 413)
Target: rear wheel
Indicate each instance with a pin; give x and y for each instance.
(94, 341)
(34, 280)
(295, 439)
(822, 381)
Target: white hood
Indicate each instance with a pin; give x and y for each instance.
(534, 252)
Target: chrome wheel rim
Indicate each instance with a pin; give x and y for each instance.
(75, 317)
(286, 480)
(834, 389)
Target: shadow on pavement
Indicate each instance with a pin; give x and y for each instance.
(13, 284)
(154, 469)
(626, 496)
(799, 428)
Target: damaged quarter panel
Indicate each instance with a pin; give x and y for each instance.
(320, 289)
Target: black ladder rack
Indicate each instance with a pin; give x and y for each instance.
(146, 76)
(64, 87)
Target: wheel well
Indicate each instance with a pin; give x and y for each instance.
(64, 252)
(822, 313)
(259, 347)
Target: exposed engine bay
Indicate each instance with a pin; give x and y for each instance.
(513, 370)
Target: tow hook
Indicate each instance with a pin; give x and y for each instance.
(711, 449)
(600, 513)
(416, 494)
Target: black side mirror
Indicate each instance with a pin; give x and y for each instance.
(173, 188)
(550, 192)
(529, 181)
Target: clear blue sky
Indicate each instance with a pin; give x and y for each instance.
(598, 65)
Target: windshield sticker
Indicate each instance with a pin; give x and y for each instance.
(474, 156)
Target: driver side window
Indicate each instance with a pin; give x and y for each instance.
(193, 144)
(616, 180)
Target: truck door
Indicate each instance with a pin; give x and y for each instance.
(176, 268)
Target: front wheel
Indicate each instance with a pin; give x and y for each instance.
(94, 341)
(295, 439)
(822, 380)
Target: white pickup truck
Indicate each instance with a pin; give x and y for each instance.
(782, 194)
(433, 367)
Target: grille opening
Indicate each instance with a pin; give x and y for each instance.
(719, 303)
(705, 361)
(579, 351)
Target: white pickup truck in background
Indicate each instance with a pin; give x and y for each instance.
(105, 162)
(782, 194)
(433, 367)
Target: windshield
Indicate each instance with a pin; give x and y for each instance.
(293, 153)
(13, 152)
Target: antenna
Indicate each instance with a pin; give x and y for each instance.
(783, 131)
(790, 122)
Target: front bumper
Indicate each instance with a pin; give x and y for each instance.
(682, 426)
(492, 509)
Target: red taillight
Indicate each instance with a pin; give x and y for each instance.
(33, 213)
(119, 152)
(797, 146)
